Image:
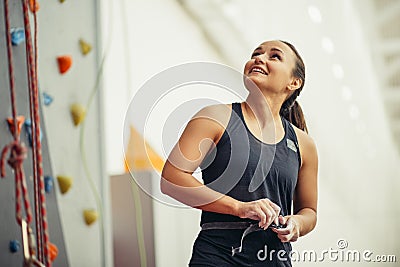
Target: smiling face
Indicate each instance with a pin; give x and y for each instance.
(271, 68)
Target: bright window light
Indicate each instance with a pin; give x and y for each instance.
(315, 14)
(346, 93)
(338, 72)
(354, 112)
(328, 45)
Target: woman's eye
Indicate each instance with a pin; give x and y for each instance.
(276, 56)
(255, 54)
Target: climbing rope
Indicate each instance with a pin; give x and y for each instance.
(42, 240)
(16, 157)
(17, 151)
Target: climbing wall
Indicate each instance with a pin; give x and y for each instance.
(10, 231)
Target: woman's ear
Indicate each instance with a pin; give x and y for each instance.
(295, 84)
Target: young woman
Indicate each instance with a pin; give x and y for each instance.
(256, 160)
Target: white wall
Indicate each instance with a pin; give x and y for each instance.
(60, 28)
(157, 38)
(359, 185)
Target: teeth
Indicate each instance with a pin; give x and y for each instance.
(258, 70)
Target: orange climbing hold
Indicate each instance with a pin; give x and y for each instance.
(64, 63)
(90, 216)
(20, 121)
(53, 251)
(34, 5)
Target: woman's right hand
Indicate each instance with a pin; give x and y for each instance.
(263, 210)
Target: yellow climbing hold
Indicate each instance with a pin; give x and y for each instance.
(90, 216)
(78, 113)
(64, 182)
(85, 47)
(62, 1)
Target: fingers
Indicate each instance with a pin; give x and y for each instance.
(263, 210)
(277, 210)
(269, 214)
(271, 210)
(282, 220)
(262, 216)
(290, 232)
(289, 226)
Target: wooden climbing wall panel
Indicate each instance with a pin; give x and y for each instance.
(9, 229)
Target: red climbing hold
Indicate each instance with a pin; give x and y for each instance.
(64, 63)
(20, 121)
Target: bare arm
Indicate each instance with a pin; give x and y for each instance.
(177, 180)
(199, 136)
(305, 196)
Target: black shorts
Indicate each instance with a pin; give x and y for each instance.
(262, 248)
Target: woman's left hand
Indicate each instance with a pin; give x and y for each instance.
(292, 230)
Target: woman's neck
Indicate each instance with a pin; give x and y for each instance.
(264, 109)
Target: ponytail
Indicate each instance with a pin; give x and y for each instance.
(295, 115)
(291, 109)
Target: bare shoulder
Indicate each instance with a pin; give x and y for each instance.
(212, 120)
(215, 112)
(214, 115)
(304, 138)
(308, 148)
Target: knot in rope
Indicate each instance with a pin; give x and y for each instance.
(17, 155)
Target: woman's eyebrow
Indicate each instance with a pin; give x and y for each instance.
(277, 49)
(258, 48)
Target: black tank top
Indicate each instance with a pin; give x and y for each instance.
(243, 167)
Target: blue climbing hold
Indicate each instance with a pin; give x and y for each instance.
(48, 183)
(28, 129)
(14, 246)
(47, 99)
(17, 36)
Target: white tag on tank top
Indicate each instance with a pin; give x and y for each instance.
(291, 145)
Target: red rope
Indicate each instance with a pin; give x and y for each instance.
(46, 237)
(15, 160)
(10, 68)
(17, 151)
(40, 199)
(30, 72)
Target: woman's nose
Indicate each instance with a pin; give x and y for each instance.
(260, 59)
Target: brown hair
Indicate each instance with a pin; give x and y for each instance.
(291, 109)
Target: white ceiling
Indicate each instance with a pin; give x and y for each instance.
(382, 25)
(321, 30)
